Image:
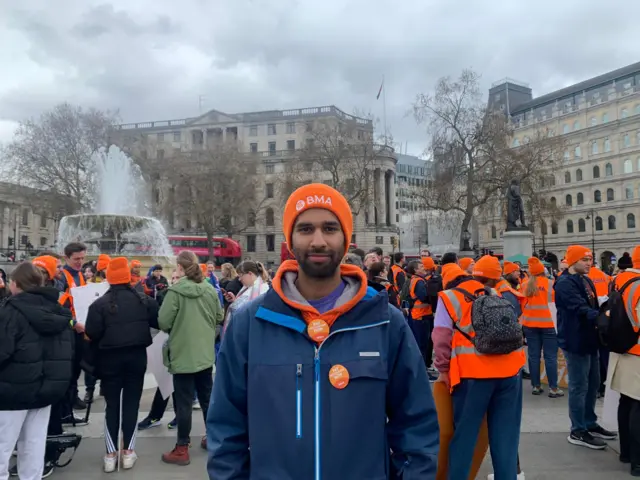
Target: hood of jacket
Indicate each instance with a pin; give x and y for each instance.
(189, 288)
(41, 309)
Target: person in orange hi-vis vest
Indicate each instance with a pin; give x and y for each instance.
(601, 281)
(624, 370)
(467, 264)
(508, 286)
(136, 279)
(420, 308)
(398, 276)
(539, 329)
(480, 384)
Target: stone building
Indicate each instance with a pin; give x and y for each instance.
(598, 185)
(275, 139)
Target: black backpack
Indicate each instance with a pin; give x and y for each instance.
(405, 291)
(495, 323)
(616, 329)
(434, 286)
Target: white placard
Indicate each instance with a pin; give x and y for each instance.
(83, 297)
(155, 365)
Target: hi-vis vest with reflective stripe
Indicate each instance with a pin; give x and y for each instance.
(600, 280)
(419, 309)
(466, 361)
(66, 296)
(396, 269)
(536, 313)
(631, 297)
(505, 286)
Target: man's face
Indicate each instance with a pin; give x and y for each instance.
(387, 261)
(421, 270)
(58, 269)
(370, 259)
(403, 261)
(135, 271)
(76, 260)
(513, 277)
(583, 265)
(318, 243)
(211, 267)
(563, 266)
(157, 273)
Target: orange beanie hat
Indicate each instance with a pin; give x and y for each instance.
(635, 257)
(488, 267)
(450, 272)
(575, 253)
(428, 263)
(535, 266)
(509, 267)
(317, 195)
(465, 263)
(103, 262)
(203, 269)
(118, 271)
(136, 264)
(48, 263)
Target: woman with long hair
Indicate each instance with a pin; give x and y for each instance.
(230, 281)
(190, 312)
(255, 281)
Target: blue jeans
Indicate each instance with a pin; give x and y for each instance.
(542, 340)
(584, 381)
(501, 400)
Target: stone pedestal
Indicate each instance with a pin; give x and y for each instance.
(517, 242)
(466, 254)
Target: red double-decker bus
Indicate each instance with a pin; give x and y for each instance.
(285, 254)
(225, 250)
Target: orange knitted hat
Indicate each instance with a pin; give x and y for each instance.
(136, 264)
(317, 195)
(48, 263)
(118, 271)
(509, 267)
(204, 270)
(575, 253)
(535, 266)
(488, 267)
(103, 262)
(465, 263)
(635, 257)
(450, 272)
(428, 263)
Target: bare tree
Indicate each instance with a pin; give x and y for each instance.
(54, 152)
(473, 160)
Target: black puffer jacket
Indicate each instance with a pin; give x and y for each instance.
(36, 350)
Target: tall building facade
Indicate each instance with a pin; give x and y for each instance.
(598, 185)
(274, 139)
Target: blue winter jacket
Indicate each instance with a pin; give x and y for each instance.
(576, 314)
(274, 415)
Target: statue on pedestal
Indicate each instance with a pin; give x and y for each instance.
(515, 207)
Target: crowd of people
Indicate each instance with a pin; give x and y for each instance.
(344, 365)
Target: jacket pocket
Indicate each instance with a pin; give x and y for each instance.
(299, 400)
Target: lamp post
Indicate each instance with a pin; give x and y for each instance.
(466, 236)
(592, 216)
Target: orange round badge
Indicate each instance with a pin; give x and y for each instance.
(318, 330)
(339, 376)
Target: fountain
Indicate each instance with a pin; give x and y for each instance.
(116, 228)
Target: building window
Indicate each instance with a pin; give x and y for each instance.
(577, 152)
(568, 200)
(567, 177)
(605, 117)
(554, 228)
(543, 227)
(612, 222)
(594, 121)
(569, 226)
(270, 169)
(598, 224)
(177, 136)
(597, 196)
(43, 220)
(271, 242)
(579, 175)
(43, 241)
(624, 113)
(628, 192)
(269, 217)
(626, 140)
(291, 144)
(576, 125)
(516, 143)
(379, 240)
(269, 190)
(580, 198)
(253, 147)
(253, 132)
(291, 127)
(610, 195)
(566, 155)
(161, 137)
(608, 170)
(596, 171)
(25, 216)
(494, 232)
(272, 149)
(607, 145)
(251, 219)
(271, 129)
(627, 166)
(594, 147)
(631, 220)
(553, 202)
(24, 240)
(581, 225)
(251, 243)
(565, 128)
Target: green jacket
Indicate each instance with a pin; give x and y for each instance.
(190, 313)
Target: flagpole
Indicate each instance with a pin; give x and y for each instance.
(384, 110)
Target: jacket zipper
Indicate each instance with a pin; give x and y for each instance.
(299, 400)
(317, 393)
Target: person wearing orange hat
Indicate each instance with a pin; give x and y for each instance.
(136, 279)
(508, 286)
(577, 311)
(420, 309)
(118, 326)
(467, 264)
(498, 395)
(314, 352)
(539, 329)
(48, 266)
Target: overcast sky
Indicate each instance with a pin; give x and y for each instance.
(153, 59)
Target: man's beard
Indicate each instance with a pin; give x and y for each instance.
(318, 270)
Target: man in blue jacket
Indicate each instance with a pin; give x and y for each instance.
(578, 309)
(320, 378)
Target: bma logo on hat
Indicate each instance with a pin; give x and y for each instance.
(313, 199)
(299, 205)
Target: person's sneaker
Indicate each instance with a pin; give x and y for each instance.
(537, 391)
(73, 421)
(635, 470)
(519, 477)
(48, 470)
(203, 443)
(173, 424)
(178, 456)
(526, 375)
(555, 393)
(13, 471)
(78, 404)
(600, 432)
(196, 405)
(129, 460)
(110, 463)
(148, 423)
(88, 397)
(585, 439)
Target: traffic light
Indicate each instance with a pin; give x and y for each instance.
(11, 241)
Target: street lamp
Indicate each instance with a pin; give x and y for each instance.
(466, 236)
(591, 216)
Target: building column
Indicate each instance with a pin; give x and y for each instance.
(381, 199)
(371, 200)
(392, 197)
